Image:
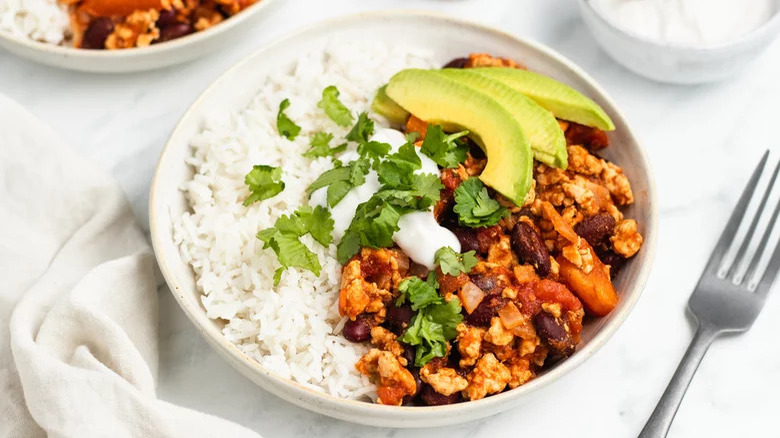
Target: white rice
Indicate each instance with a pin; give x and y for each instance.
(39, 20)
(292, 329)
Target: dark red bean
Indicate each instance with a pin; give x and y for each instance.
(417, 270)
(409, 353)
(433, 398)
(548, 328)
(612, 259)
(358, 330)
(530, 248)
(467, 238)
(97, 32)
(486, 310)
(457, 63)
(167, 18)
(174, 31)
(487, 283)
(397, 318)
(596, 228)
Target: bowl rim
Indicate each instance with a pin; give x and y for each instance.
(113, 55)
(215, 338)
(759, 33)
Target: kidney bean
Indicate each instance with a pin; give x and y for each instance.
(174, 31)
(485, 311)
(530, 248)
(596, 228)
(167, 18)
(548, 328)
(457, 63)
(487, 283)
(614, 261)
(467, 238)
(358, 330)
(97, 32)
(409, 353)
(433, 398)
(398, 318)
(417, 270)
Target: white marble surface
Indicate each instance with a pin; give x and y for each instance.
(702, 141)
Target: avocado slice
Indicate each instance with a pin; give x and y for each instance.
(435, 98)
(563, 101)
(539, 125)
(385, 106)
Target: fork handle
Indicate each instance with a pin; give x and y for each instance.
(660, 421)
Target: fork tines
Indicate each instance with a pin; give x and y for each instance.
(725, 268)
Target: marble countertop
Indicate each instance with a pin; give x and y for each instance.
(703, 142)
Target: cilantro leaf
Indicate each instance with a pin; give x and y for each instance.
(264, 182)
(284, 239)
(363, 129)
(397, 170)
(419, 293)
(431, 328)
(446, 150)
(318, 222)
(452, 263)
(340, 180)
(474, 206)
(320, 146)
(373, 150)
(284, 125)
(333, 107)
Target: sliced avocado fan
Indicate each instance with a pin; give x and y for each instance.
(539, 125)
(385, 106)
(435, 98)
(563, 101)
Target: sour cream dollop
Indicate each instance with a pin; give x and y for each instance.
(419, 235)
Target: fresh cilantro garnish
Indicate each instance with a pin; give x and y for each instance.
(412, 136)
(333, 107)
(452, 263)
(397, 170)
(373, 150)
(320, 146)
(474, 207)
(264, 182)
(432, 327)
(446, 150)
(376, 220)
(340, 180)
(284, 125)
(317, 222)
(284, 238)
(420, 293)
(363, 129)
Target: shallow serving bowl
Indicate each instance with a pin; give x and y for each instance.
(141, 58)
(447, 38)
(679, 64)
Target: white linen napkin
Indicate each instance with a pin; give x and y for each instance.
(78, 300)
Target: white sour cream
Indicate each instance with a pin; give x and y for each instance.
(419, 235)
(688, 22)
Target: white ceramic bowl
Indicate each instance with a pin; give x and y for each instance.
(448, 38)
(141, 58)
(678, 64)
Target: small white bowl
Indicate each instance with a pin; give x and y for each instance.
(447, 38)
(155, 56)
(678, 64)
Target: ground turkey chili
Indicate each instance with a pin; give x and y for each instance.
(538, 272)
(121, 24)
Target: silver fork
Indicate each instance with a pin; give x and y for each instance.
(723, 301)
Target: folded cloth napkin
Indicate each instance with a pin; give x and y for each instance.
(78, 301)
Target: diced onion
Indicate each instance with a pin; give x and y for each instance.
(510, 316)
(470, 296)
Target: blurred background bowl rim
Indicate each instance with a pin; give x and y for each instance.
(231, 354)
(758, 34)
(113, 55)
